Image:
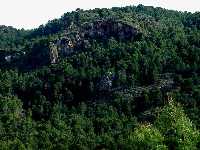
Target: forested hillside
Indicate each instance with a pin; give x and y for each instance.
(120, 78)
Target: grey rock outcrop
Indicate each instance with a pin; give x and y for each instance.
(105, 29)
(72, 41)
(53, 53)
(106, 82)
(8, 58)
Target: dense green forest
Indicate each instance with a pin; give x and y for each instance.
(120, 78)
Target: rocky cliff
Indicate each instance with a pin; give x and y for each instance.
(105, 29)
(80, 39)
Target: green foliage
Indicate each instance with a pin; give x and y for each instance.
(178, 130)
(147, 137)
(63, 105)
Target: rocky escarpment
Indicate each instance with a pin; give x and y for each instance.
(76, 39)
(105, 29)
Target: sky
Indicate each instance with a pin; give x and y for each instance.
(30, 14)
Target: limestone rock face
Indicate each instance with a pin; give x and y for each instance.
(53, 53)
(68, 46)
(105, 29)
(80, 38)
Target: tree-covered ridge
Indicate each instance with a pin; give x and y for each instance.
(11, 39)
(102, 79)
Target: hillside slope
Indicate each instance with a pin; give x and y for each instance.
(120, 78)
